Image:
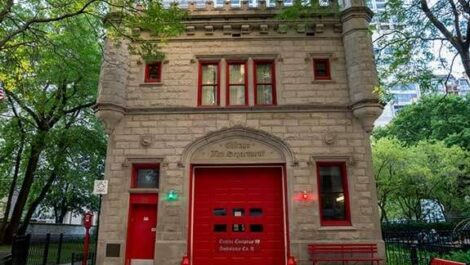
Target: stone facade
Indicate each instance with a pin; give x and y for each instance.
(312, 121)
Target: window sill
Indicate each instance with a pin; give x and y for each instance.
(326, 81)
(143, 190)
(151, 84)
(336, 228)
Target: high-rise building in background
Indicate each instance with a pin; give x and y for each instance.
(406, 94)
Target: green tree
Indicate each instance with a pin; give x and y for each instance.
(407, 176)
(50, 55)
(50, 90)
(405, 52)
(437, 117)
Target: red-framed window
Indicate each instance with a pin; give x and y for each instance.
(264, 83)
(153, 72)
(333, 194)
(237, 84)
(145, 176)
(209, 84)
(321, 69)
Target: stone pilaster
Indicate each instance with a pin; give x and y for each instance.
(360, 64)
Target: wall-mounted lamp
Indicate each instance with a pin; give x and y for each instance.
(172, 195)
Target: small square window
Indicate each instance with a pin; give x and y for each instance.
(237, 212)
(321, 69)
(256, 212)
(220, 212)
(257, 228)
(153, 72)
(238, 228)
(220, 228)
(146, 176)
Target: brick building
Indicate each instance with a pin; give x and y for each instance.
(247, 143)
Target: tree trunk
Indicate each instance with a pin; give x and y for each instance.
(11, 191)
(34, 205)
(37, 147)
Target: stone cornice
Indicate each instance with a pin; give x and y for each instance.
(357, 12)
(276, 109)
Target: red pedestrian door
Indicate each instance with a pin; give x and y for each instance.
(141, 231)
(238, 216)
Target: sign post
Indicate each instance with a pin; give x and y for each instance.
(100, 188)
(87, 222)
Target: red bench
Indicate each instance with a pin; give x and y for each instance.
(343, 253)
(436, 261)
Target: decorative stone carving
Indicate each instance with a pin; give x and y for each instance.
(190, 30)
(209, 30)
(282, 28)
(227, 29)
(238, 145)
(245, 29)
(367, 111)
(146, 140)
(319, 28)
(301, 28)
(329, 138)
(110, 116)
(263, 29)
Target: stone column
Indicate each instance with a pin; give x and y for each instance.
(360, 65)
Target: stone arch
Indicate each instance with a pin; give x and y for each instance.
(238, 145)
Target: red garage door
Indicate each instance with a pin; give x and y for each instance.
(238, 216)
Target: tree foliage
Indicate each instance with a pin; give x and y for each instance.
(444, 118)
(423, 32)
(408, 176)
(51, 146)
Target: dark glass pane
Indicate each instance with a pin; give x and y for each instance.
(220, 228)
(256, 212)
(209, 95)
(220, 212)
(331, 179)
(237, 95)
(238, 212)
(333, 207)
(209, 74)
(237, 73)
(321, 68)
(238, 228)
(147, 178)
(263, 73)
(154, 71)
(264, 95)
(256, 228)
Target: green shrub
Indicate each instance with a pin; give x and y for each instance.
(462, 256)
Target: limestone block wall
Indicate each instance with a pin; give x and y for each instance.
(311, 136)
(294, 71)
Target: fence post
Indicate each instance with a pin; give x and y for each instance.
(59, 250)
(414, 255)
(46, 249)
(20, 249)
(73, 258)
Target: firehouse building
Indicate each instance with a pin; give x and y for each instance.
(247, 143)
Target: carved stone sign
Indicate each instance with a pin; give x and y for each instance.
(237, 150)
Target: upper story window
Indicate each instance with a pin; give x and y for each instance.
(237, 90)
(265, 91)
(208, 94)
(153, 72)
(145, 176)
(321, 69)
(333, 193)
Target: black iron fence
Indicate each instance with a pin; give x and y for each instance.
(47, 249)
(77, 258)
(418, 248)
